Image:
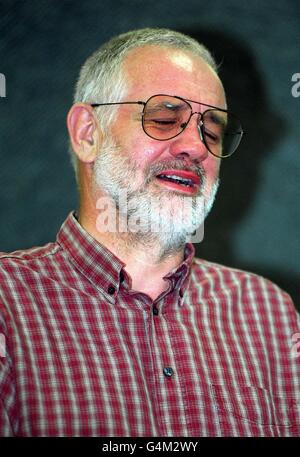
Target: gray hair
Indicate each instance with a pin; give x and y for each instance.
(101, 79)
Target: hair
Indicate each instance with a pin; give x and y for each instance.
(101, 79)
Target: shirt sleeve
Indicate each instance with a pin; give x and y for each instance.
(291, 366)
(5, 426)
(7, 390)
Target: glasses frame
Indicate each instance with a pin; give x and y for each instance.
(187, 101)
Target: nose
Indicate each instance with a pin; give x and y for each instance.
(189, 143)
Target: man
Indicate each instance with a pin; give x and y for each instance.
(116, 329)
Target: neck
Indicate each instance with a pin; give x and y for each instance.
(146, 258)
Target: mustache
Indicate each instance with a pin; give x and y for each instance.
(154, 169)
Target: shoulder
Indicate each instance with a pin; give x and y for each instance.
(237, 288)
(226, 277)
(28, 275)
(28, 254)
(12, 263)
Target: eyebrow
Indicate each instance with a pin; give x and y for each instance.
(217, 119)
(167, 105)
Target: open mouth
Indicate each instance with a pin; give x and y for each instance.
(176, 179)
(180, 180)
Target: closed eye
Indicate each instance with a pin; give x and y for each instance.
(212, 137)
(163, 121)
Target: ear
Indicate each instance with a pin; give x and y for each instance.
(84, 132)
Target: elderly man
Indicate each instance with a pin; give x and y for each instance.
(116, 329)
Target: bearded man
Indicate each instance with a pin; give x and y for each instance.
(116, 329)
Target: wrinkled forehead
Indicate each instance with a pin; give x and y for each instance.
(152, 70)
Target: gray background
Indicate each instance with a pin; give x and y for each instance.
(255, 222)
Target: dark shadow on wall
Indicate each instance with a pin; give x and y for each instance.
(241, 174)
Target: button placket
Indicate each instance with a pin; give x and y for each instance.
(111, 289)
(168, 372)
(155, 310)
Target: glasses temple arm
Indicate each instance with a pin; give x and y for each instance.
(94, 105)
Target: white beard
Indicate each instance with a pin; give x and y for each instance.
(152, 214)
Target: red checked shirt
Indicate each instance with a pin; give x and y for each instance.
(85, 355)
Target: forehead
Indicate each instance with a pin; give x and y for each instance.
(152, 70)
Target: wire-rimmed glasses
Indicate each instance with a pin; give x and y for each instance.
(166, 116)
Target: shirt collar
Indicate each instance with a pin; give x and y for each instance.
(101, 267)
(180, 275)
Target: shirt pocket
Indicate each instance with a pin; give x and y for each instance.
(254, 411)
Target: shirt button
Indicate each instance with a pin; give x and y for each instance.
(180, 293)
(111, 290)
(168, 372)
(155, 311)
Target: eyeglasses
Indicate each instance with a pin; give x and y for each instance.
(166, 116)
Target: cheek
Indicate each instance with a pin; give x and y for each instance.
(212, 169)
(134, 143)
(145, 153)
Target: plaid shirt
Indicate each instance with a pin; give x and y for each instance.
(88, 356)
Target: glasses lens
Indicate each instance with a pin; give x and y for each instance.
(165, 117)
(222, 132)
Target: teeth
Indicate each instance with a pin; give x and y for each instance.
(178, 179)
